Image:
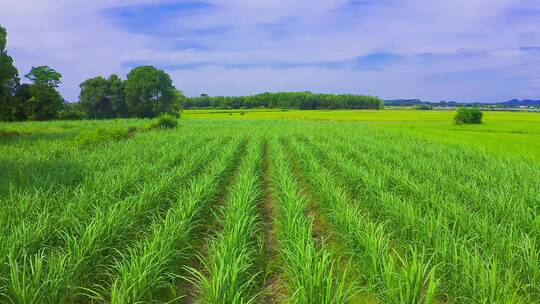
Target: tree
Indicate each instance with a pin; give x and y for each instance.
(45, 102)
(9, 80)
(117, 96)
(468, 116)
(149, 92)
(94, 98)
(44, 76)
(423, 107)
(23, 94)
(180, 100)
(103, 98)
(72, 111)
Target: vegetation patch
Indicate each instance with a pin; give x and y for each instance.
(8, 133)
(186, 214)
(115, 134)
(290, 100)
(165, 121)
(468, 116)
(424, 107)
(102, 135)
(5, 134)
(70, 114)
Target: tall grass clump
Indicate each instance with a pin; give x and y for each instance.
(308, 269)
(149, 268)
(232, 266)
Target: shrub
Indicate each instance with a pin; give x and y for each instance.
(423, 107)
(71, 115)
(165, 121)
(468, 116)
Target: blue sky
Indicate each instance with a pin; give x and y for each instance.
(475, 50)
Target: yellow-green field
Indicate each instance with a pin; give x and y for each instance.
(508, 133)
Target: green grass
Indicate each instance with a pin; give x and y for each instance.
(414, 210)
(503, 133)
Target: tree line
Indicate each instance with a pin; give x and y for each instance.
(291, 100)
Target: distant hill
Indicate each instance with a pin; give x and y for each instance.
(519, 103)
(514, 103)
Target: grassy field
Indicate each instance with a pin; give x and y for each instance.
(271, 207)
(508, 133)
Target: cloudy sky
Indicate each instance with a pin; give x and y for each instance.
(465, 50)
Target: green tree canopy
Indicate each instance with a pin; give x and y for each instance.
(149, 92)
(117, 96)
(103, 98)
(9, 80)
(45, 102)
(44, 76)
(468, 116)
(94, 98)
(23, 94)
(3, 38)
